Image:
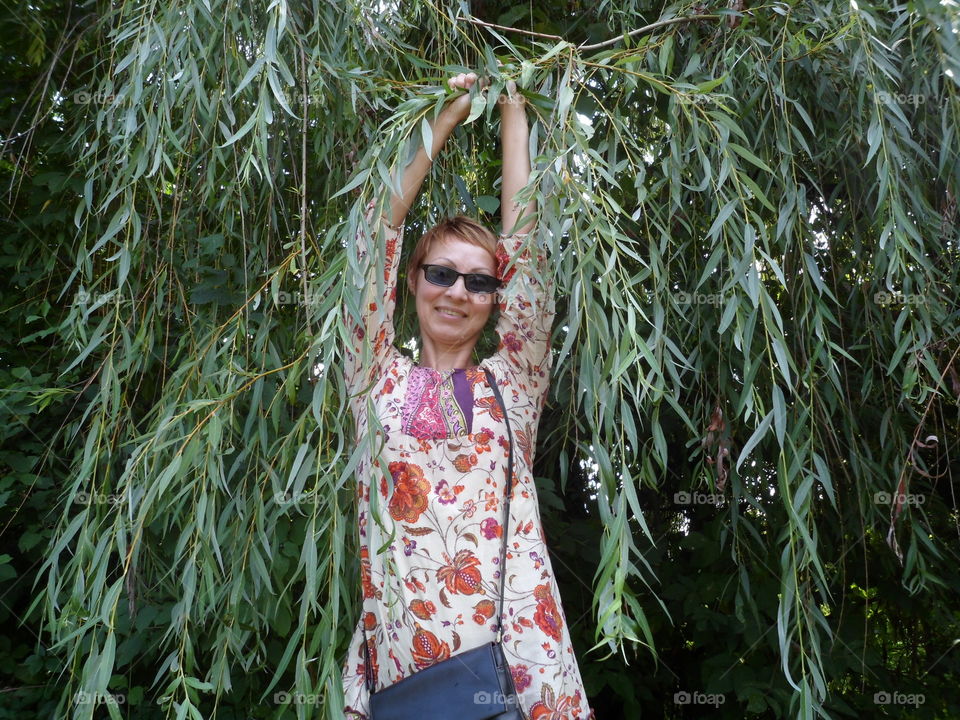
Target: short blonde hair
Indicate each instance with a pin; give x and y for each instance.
(460, 227)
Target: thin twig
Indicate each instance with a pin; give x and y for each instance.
(594, 46)
(504, 27)
(648, 28)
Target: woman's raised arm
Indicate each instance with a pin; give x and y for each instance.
(527, 304)
(514, 139)
(372, 322)
(454, 113)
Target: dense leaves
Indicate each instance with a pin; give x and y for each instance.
(747, 463)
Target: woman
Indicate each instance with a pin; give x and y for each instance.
(433, 591)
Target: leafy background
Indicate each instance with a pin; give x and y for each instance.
(753, 213)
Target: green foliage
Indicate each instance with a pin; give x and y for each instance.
(754, 222)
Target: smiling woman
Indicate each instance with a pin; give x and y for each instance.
(454, 298)
(442, 510)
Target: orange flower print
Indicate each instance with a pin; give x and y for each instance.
(503, 259)
(492, 499)
(427, 649)
(463, 463)
(490, 405)
(369, 621)
(482, 440)
(380, 341)
(372, 649)
(483, 611)
(423, 609)
(461, 576)
(547, 615)
(448, 495)
(521, 678)
(410, 489)
(549, 707)
(469, 508)
(475, 375)
(523, 441)
(414, 585)
(490, 528)
(368, 590)
(510, 342)
(521, 623)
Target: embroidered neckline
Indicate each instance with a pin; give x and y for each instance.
(447, 371)
(437, 404)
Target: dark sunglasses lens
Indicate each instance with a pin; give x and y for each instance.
(481, 283)
(439, 275)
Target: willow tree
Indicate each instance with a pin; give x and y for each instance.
(752, 418)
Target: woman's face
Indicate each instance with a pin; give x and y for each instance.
(468, 312)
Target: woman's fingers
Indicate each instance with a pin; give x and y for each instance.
(458, 107)
(463, 80)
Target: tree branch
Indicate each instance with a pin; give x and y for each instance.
(648, 28)
(594, 46)
(505, 27)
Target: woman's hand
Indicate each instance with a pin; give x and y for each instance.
(458, 109)
(511, 100)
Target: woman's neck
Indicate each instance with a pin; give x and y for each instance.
(444, 359)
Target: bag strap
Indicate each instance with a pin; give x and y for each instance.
(491, 380)
(506, 502)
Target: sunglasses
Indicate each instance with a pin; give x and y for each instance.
(445, 277)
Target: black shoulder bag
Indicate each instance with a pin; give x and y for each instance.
(472, 685)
